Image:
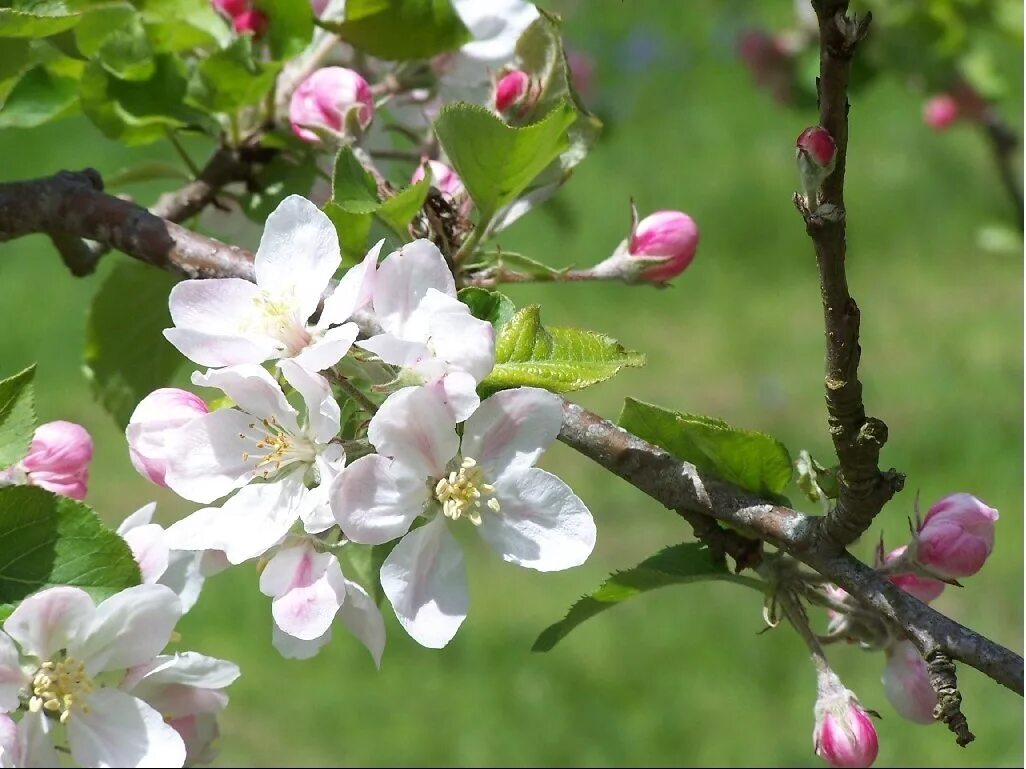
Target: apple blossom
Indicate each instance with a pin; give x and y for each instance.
(512, 92)
(153, 423)
(261, 439)
(844, 735)
(70, 642)
(333, 99)
(226, 321)
(816, 155)
(188, 690)
(488, 479)
(57, 460)
(428, 333)
(924, 588)
(658, 248)
(906, 682)
(956, 537)
(309, 589)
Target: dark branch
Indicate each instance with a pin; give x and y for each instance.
(858, 439)
(73, 203)
(1003, 144)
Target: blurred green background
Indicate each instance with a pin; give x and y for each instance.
(681, 676)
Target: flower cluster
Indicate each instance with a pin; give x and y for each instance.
(302, 459)
(92, 681)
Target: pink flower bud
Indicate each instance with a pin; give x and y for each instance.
(251, 20)
(669, 234)
(58, 459)
(329, 99)
(923, 588)
(844, 735)
(512, 91)
(957, 536)
(941, 111)
(154, 423)
(818, 145)
(231, 8)
(907, 683)
(443, 178)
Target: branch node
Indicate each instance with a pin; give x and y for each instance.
(949, 700)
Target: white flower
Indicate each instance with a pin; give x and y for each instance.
(27, 743)
(309, 590)
(181, 570)
(227, 321)
(429, 333)
(528, 516)
(72, 642)
(188, 690)
(261, 439)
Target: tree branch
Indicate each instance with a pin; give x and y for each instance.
(1003, 143)
(73, 203)
(864, 490)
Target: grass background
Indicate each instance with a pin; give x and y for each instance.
(681, 676)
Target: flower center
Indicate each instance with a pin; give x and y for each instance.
(278, 447)
(61, 686)
(463, 491)
(280, 321)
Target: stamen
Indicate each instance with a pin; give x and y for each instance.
(61, 687)
(462, 492)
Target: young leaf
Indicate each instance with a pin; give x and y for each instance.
(676, 565)
(495, 161)
(48, 540)
(126, 356)
(17, 416)
(401, 29)
(752, 460)
(37, 19)
(290, 28)
(492, 306)
(558, 359)
(174, 26)
(353, 189)
(38, 98)
(398, 211)
(231, 78)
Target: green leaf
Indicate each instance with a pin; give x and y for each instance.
(38, 98)
(752, 460)
(16, 58)
(145, 172)
(353, 189)
(231, 78)
(495, 161)
(353, 230)
(35, 18)
(558, 359)
(401, 29)
(676, 565)
(398, 211)
(290, 27)
(48, 540)
(276, 180)
(137, 111)
(364, 562)
(17, 416)
(126, 356)
(126, 52)
(181, 25)
(492, 306)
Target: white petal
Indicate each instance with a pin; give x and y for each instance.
(415, 427)
(376, 499)
(308, 589)
(457, 337)
(140, 517)
(129, 628)
(35, 742)
(247, 525)
(322, 410)
(327, 350)
(216, 306)
(185, 576)
(188, 669)
(316, 509)
(254, 390)
(353, 291)
(46, 622)
(150, 550)
(295, 648)
(495, 26)
(457, 390)
(426, 583)
(122, 731)
(362, 617)
(298, 254)
(396, 351)
(222, 349)
(215, 454)
(11, 676)
(403, 280)
(542, 524)
(510, 430)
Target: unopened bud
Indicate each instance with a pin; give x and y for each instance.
(513, 93)
(941, 111)
(956, 536)
(443, 178)
(668, 235)
(58, 459)
(153, 424)
(844, 735)
(252, 21)
(333, 99)
(923, 588)
(816, 154)
(906, 682)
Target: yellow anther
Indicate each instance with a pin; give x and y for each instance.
(61, 687)
(462, 492)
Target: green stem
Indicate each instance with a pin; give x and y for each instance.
(193, 168)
